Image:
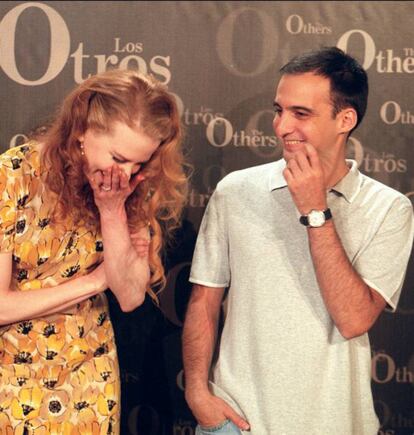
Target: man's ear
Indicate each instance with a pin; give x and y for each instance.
(348, 119)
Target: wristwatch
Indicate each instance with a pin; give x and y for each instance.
(316, 218)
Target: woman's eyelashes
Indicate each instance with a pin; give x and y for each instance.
(118, 160)
(136, 166)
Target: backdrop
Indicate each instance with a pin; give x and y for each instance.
(221, 59)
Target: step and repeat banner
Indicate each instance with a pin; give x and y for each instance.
(221, 60)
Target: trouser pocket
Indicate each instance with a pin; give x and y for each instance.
(227, 427)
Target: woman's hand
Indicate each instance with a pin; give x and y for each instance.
(126, 258)
(111, 188)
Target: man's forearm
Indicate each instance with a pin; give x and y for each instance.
(199, 340)
(351, 303)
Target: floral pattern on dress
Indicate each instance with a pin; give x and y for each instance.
(59, 373)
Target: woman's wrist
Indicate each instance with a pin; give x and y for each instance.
(113, 216)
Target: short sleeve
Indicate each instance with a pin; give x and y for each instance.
(210, 265)
(8, 207)
(383, 263)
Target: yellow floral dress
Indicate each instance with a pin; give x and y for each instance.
(59, 373)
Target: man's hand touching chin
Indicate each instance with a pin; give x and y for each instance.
(305, 179)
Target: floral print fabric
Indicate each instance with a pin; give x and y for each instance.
(59, 373)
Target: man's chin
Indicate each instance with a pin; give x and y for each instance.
(288, 154)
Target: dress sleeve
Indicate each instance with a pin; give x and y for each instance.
(8, 205)
(210, 266)
(383, 263)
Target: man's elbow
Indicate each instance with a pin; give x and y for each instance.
(354, 330)
(362, 322)
(349, 333)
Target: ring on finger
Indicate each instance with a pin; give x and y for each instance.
(105, 188)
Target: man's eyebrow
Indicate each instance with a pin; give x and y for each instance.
(276, 105)
(302, 108)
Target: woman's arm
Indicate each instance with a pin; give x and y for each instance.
(29, 304)
(126, 270)
(128, 273)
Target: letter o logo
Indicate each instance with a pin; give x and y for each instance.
(152, 418)
(59, 44)
(179, 102)
(167, 296)
(299, 25)
(253, 124)
(369, 55)
(211, 129)
(389, 365)
(225, 42)
(383, 412)
(384, 112)
(212, 175)
(180, 380)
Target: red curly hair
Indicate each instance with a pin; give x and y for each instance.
(129, 97)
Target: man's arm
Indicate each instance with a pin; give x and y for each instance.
(199, 341)
(352, 304)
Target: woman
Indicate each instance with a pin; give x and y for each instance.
(76, 211)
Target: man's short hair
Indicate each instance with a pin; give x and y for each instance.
(349, 81)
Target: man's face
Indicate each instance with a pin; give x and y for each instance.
(304, 114)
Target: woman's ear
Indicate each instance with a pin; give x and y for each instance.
(348, 119)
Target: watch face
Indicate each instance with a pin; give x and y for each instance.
(316, 218)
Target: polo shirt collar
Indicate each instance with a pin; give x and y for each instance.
(349, 186)
(276, 178)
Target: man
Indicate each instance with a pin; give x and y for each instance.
(312, 251)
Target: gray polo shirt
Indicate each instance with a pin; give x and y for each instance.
(282, 362)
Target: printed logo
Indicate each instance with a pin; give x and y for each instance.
(183, 427)
(384, 370)
(371, 162)
(397, 420)
(146, 414)
(384, 61)
(126, 54)
(296, 25)
(391, 113)
(227, 43)
(221, 133)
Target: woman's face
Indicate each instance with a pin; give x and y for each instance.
(126, 147)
